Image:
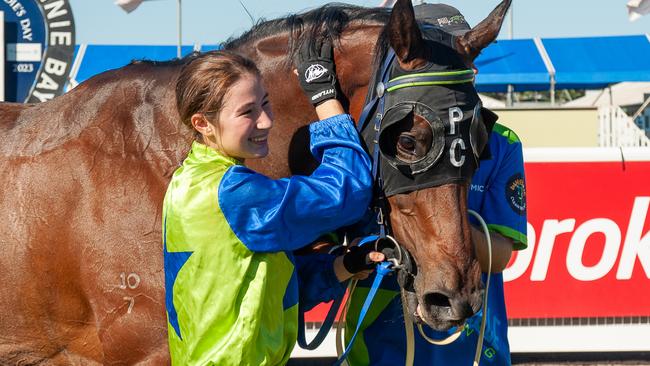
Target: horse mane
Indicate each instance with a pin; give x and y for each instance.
(173, 62)
(328, 21)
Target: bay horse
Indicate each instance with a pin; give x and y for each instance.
(85, 174)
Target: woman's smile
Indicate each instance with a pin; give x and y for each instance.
(259, 140)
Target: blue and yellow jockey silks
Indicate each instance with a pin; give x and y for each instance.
(498, 194)
(231, 281)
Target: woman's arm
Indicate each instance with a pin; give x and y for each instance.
(278, 215)
(321, 276)
(501, 250)
(329, 108)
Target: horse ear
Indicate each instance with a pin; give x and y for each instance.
(404, 34)
(472, 42)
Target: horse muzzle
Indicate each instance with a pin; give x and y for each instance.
(438, 308)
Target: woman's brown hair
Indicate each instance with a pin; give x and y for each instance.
(205, 80)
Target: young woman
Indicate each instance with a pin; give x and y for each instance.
(231, 279)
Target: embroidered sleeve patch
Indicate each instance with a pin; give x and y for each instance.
(516, 193)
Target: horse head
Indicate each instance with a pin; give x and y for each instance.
(431, 137)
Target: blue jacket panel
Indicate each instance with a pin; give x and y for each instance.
(286, 214)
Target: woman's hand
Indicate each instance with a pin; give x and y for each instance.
(318, 78)
(316, 72)
(357, 262)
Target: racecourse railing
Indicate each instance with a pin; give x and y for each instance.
(617, 129)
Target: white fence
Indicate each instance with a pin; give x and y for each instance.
(617, 129)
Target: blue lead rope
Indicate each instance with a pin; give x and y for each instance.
(383, 269)
(324, 329)
(329, 318)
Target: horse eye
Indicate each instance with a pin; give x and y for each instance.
(407, 143)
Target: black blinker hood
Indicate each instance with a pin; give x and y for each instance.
(445, 97)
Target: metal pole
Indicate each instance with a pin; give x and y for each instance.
(510, 94)
(180, 28)
(552, 90)
(511, 26)
(614, 128)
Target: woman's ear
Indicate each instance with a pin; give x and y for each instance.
(201, 124)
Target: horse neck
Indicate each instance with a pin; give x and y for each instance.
(124, 112)
(354, 64)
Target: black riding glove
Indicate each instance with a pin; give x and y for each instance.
(316, 72)
(357, 259)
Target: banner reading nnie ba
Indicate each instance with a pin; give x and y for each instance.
(40, 42)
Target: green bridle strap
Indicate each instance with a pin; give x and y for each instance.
(430, 78)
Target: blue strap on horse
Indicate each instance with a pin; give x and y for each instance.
(370, 105)
(376, 99)
(323, 331)
(368, 239)
(329, 318)
(378, 94)
(383, 269)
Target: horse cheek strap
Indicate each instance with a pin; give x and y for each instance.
(479, 134)
(406, 277)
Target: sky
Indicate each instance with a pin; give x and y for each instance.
(214, 21)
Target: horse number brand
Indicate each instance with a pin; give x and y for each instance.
(131, 281)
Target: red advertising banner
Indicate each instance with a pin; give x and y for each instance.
(589, 242)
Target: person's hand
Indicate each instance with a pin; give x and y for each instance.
(316, 72)
(358, 259)
(357, 262)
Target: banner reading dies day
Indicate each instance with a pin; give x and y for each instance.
(40, 41)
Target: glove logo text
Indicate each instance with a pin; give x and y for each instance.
(322, 94)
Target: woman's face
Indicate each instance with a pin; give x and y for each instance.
(242, 128)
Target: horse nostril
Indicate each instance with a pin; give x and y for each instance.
(437, 299)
